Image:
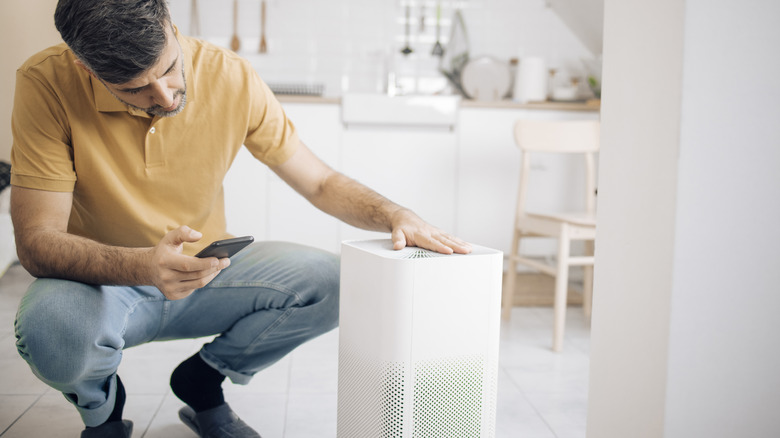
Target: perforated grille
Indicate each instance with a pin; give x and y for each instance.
(448, 396)
(393, 400)
(370, 398)
(411, 252)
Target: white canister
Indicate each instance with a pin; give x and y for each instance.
(531, 80)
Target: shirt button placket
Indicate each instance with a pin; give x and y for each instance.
(154, 153)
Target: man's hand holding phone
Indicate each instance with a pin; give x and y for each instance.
(178, 275)
(225, 248)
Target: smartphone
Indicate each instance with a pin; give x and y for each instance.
(225, 248)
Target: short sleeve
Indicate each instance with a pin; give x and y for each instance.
(272, 137)
(41, 154)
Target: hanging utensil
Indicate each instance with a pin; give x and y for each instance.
(263, 47)
(194, 19)
(438, 50)
(235, 42)
(407, 50)
(422, 17)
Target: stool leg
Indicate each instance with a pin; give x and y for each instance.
(508, 291)
(587, 283)
(561, 289)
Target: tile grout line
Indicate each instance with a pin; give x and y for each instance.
(530, 403)
(287, 395)
(156, 411)
(22, 414)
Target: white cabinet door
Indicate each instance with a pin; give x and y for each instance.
(413, 167)
(291, 217)
(488, 173)
(246, 197)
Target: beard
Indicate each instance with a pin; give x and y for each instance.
(157, 110)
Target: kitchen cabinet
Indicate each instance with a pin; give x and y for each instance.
(412, 166)
(259, 203)
(246, 196)
(291, 217)
(405, 148)
(488, 172)
(461, 177)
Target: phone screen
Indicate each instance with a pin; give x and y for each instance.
(225, 248)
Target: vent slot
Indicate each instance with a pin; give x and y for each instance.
(411, 252)
(419, 254)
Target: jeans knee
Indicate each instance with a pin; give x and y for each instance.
(330, 284)
(324, 280)
(331, 305)
(56, 333)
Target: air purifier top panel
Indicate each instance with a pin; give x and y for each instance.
(384, 248)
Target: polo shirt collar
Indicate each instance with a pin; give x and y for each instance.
(104, 100)
(107, 102)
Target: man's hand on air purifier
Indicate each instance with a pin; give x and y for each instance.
(410, 230)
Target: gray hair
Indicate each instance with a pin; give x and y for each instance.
(116, 39)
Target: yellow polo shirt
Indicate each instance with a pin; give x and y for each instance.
(134, 177)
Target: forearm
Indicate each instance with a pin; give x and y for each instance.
(56, 254)
(356, 204)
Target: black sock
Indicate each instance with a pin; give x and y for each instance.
(198, 384)
(119, 404)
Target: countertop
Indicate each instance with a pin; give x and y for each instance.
(590, 105)
(293, 98)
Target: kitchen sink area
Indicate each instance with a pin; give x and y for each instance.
(409, 110)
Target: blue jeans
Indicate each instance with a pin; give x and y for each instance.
(272, 298)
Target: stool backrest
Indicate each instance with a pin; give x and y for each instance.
(564, 136)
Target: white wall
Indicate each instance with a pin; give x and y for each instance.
(347, 44)
(323, 41)
(25, 28)
(585, 18)
(723, 369)
(687, 290)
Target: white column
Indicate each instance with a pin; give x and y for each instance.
(687, 283)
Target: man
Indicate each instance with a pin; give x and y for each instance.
(122, 137)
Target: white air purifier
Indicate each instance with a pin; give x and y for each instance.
(418, 342)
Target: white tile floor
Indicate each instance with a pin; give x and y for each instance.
(541, 394)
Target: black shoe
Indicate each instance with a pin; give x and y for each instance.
(219, 422)
(113, 429)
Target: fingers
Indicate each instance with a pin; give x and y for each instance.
(408, 229)
(447, 244)
(177, 284)
(193, 271)
(458, 246)
(194, 266)
(180, 235)
(435, 241)
(178, 275)
(399, 239)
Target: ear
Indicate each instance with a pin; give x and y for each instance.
(86, 69)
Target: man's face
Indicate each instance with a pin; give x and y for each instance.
(160, 91)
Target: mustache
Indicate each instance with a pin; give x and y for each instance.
(178, 93)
